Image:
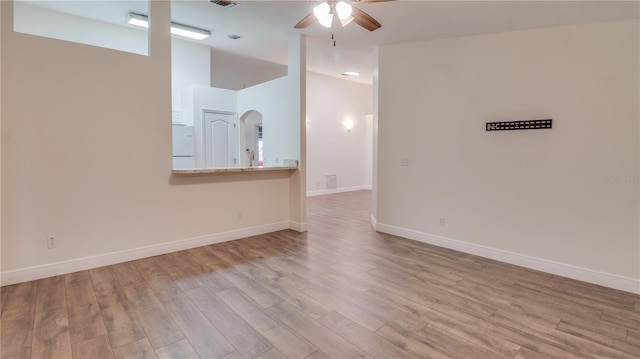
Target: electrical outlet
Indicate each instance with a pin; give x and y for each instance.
(51, 243)
(404, 162)
(442, 221)
(239, 215)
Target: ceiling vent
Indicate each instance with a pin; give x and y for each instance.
(224, 3)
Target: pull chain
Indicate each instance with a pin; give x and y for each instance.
(333, 27)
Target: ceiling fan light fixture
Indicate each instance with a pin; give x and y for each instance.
(323, 13)
(344, 10)
(321, 10)
(326, 21)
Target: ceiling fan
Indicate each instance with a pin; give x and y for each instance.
(325, 11)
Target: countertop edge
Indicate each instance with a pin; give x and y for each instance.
(213, 171)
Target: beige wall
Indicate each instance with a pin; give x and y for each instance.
(568, 195)
(86, 156)
(1, 81)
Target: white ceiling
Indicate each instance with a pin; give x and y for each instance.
(266, 25)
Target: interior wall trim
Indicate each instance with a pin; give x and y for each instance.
(74, 265)
(564, 270)
(298, 227)
(322, 192)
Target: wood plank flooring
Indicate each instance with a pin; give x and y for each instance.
(339, 291)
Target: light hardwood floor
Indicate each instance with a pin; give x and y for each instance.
(340, 291)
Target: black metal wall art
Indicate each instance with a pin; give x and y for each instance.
(519, 125)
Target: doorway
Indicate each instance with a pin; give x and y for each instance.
(251, 139)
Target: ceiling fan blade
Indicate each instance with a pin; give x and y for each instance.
(365, 20)
(346, 21)
(305, 22)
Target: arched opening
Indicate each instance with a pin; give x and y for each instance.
(251, 147)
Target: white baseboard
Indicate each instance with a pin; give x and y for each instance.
(322, 192)
(565, 270)
(74, 265)
(298, 227)
(374, 222)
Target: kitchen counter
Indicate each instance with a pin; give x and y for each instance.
(211, 171)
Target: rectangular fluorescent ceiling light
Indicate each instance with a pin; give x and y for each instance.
(188, 31)
(138, 20)
(176, 29)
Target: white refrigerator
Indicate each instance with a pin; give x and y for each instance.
(183, 147)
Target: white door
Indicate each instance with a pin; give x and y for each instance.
(220, 140)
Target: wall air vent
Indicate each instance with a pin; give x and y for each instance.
(225, 3)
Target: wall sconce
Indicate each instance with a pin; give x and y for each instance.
(348, 125)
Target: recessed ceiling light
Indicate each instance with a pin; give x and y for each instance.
(234, 37)
(350, 73)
